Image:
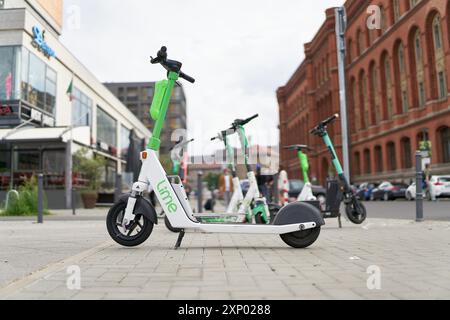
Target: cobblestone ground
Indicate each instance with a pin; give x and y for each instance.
(413, 260)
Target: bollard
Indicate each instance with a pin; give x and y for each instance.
(200, 192)
(419, 187)
(40, 198)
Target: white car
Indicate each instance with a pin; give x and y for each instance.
(411, 192)
(439, 187)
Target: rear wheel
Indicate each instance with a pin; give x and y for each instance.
(135, 234)
(301, 239)
(259, 219)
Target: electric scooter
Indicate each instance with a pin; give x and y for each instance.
(354, 208)
(249, 209)
(307, 193)
(131, 220)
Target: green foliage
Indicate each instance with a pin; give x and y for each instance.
(89, 167)
(166, 162)
(27, 203)
(212, 180)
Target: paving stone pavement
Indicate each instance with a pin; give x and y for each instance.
(413, 260)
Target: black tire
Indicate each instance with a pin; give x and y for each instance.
(301, 239)
(259, 219)
(115, 217)
(356, 212)
(169, 226)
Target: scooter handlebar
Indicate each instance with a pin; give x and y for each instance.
(324, 124)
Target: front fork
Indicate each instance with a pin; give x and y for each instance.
(136, 191)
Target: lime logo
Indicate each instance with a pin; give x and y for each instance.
(166, 196)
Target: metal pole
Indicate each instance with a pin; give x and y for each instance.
(40, 198)
(73, 202)
(276, 193)
(419, 187)
(200, 192)
(341, 26)
(68, 176)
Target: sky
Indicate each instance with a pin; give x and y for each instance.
(239, 51)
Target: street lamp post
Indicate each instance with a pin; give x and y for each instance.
(341, 26)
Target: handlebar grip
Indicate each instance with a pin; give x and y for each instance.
(186, 77)
(330, 119)
(215, 138)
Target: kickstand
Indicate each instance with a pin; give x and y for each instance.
(180, 239)
(340, 221)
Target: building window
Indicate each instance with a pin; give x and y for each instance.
(375, 97)
(401, 80)
(82, 109)
(422, 95)
(445, 140)
(124, 141)
(360, 42)
(106, 128)
(378, 159)
(383, 21)
(38, 82)
(387, 86)
(417, 66)
(392, 157)
(438, 55)
(406, 153)
(9, 73)
(396, 10)
(367, 162)
(357, 163)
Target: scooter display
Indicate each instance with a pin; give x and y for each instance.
(131, 220)
(354, 208)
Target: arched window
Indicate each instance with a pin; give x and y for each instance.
(349, 51)
(386, 79)
(357, 163)
(391, 155)
(363, 100)
(396, 10)
(374, 94)
(378, 159)
(367, 162)
(383, 19)
(437, 56)
(417, 68)
(360, 42)
(444, 137)
(401, 79)
(407, 162)
(354, 114)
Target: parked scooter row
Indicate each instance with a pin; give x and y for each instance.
(131, 220)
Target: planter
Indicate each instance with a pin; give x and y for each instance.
(89, 199)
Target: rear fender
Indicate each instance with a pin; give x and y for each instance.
(142, 207)
(298, 212)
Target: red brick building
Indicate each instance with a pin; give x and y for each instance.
(397, 91)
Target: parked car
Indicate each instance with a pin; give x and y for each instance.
(389, 191)
(296, 187)
(365, 190)
(439, 187)
(410, 194)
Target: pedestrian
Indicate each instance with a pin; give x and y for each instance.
(283, 186)
(226, 186)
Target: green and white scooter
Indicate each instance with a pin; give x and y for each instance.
(307, 193)
(354, 208)
(131, 220)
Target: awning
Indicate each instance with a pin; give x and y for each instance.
(31, 134)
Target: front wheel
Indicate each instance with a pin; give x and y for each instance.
(356, 211)
(301, 239)
(135, 234)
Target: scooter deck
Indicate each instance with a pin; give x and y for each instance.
(220, 219)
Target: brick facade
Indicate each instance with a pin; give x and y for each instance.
(397, 91)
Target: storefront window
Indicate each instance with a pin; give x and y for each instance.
(9, 66)
(124, 141)
(53, 162)
(38, 82)
(26, 161)
(106, 128)
(82, 109)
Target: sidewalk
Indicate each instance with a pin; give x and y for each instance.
(413, 260)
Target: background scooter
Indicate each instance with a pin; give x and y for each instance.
(354, 208)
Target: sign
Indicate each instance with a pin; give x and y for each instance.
(39, 43)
